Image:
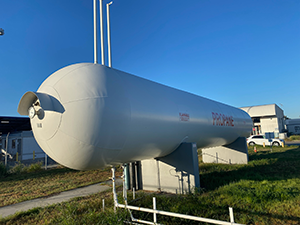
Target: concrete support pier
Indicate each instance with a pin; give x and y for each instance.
(234, 153)
(177, 172)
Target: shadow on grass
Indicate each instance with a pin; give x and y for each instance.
(41, 174)
(267, 154)
(263, 165)
(272, 218)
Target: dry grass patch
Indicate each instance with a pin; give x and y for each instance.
(21, 187)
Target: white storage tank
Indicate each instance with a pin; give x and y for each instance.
(88, 116)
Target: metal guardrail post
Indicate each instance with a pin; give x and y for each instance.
(231, 215)
(154, 208)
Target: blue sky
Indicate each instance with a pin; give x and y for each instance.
(239, 52)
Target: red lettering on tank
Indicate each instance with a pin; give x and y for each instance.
(214, 117)
(220, 119)
(184, 116)
(223, 120)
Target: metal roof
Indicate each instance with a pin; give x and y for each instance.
(13, 124)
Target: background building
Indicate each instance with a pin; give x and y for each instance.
(16, 131)
(266, 119)
(22, 143)
(10, 124)
(293, 126)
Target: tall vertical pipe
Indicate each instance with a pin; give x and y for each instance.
(95, 33)
(101, 31)
(108, 34)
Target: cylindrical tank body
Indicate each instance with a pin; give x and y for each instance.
(88, 116)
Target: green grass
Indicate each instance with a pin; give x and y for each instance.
(265, 191)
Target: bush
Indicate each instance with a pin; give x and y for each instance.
(294, 137)
(34, 167)
(21, 168)
(18, 168)
(3, 170)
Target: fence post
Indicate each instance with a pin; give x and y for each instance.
(46, 161)
(133, 193)
(33, 157)
(231, 215)
(6, 148)
(17, 157)
(154, 207)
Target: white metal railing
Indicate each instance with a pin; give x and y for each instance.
(160, 212)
